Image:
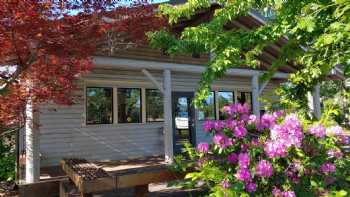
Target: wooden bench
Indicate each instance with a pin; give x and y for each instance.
(91, 178)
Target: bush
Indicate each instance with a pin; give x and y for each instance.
(7, 158)
(279, 155)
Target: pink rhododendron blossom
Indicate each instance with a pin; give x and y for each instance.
(243, 160)
(318, 131)
(335, 153)
(252, 119)
(231, 124)
(219, 125)
(335, 131)
(278, 114)
(244, 147)
(232, 158)
(275, 149)
(221, 140)
(327, 168)
(255, 142)
(264, 169)
(203, 147)
(225, 183)
(250, 187)
(267, 121)
(240, 131)
(278, 193)
(208, 125)
(244, 175)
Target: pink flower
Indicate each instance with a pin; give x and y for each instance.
(203, 147)
(264, 169)
(255, 142)
(218, 125)
(244, 175)
(335, 153)
(251, 187)
(289, 194)
(221, 140)
(267, 121)
(277, 192)
(225, 183)
(208, 125)
(275, 149)
(335, 131)
(243, 160)
(328, 168)
(318, 131)
(232, 158)
(252, 119)
(278, 114)
(240, 131)
(231, 124)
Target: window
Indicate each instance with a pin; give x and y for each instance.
(225, 98)
(154, 106)
(245, 97)
(208, 111)
(129, 105)
(99, 105)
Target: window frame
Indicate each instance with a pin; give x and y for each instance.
(214, 105)
(141, 106)
(86, 105)
(146, 114)
(218, 97)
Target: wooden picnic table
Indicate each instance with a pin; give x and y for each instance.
(91, 177)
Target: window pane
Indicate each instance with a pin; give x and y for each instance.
(99, 105)
(225, 98)
(245, 97)
(154, 106)
(129, 105)
(208, 111)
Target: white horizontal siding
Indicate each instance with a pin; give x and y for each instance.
(63, 134)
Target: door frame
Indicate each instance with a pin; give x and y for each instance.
(192, 115)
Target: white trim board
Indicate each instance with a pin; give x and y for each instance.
(122, 63)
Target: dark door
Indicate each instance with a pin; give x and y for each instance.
(183, 120)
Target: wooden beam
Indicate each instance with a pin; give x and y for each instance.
(153, 80)
(32, 143)
(255, 95)
(168, 118)
(121, 63)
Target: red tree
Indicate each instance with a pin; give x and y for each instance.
(50, 43)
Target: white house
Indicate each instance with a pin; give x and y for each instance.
(137, 103)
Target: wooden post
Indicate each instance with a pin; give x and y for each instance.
(255, 95)
(316, 101)
(141, 190)
(168, 118)
(32, 144)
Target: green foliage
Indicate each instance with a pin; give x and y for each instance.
(318, 33)
(7, 157)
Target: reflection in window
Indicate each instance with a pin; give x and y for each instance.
(129, 105)
(154, 106)
(99, 105)
(208, 111)
(245, 97)
(224, 98)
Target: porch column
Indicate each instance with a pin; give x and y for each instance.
(316, 101)
(32, 145)
(168, 119)
(255, 95)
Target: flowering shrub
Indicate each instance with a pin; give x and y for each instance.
(279, 155)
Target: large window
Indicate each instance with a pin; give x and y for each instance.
(129, 105)
(225, 98)
(99, 105)
(245, 97)
(208, 111)
(154, 106)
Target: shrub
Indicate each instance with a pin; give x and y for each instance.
(279, 155)
(7, 158)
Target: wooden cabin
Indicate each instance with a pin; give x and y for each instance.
(136, 102)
